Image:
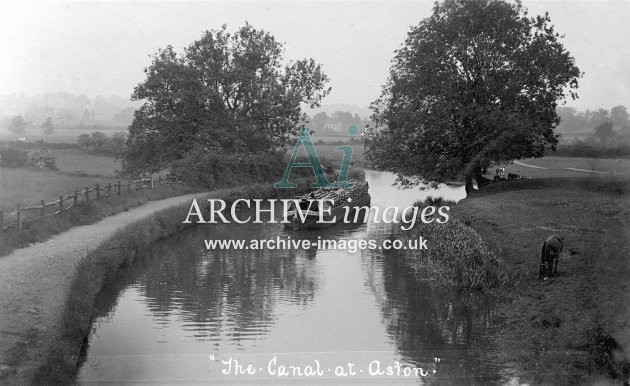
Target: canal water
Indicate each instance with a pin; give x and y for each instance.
(182, 314)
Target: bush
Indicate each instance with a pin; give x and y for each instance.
(13, 158)
(215, 169)
(99, 143)
(42, 159)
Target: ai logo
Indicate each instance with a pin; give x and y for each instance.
(305, 140)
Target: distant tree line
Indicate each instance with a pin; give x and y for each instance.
(591, 147)
(20, 126)
(72, 111)
(608, 133)
(572, 120)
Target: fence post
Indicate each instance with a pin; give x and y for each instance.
(1, 219)
(109, 189)
(98, 191)
(87, 194)
(118, 191)
(43, 208)
(151, 182)
(19, 216)
(60, 204)
(76, 197)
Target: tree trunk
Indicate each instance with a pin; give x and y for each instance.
(469, 184)
(479, 178)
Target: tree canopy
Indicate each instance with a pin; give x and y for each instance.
(227, 91)
(48, 126)
(475, 83)
(619, 116)
(17, 125)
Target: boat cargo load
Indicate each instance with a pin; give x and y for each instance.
(335, 200)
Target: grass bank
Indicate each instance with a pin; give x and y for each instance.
(574, 328)
(457, 256)
(99, 267)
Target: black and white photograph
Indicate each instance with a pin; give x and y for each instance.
(315, 192)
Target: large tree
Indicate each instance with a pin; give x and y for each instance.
(48, 126)
(228, 91)
(475, 83)
(619, 116)
(17, 125)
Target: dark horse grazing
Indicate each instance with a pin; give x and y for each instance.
(549, 253)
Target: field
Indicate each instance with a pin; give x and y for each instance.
(572, 329)
(76, 171)
(75, 161)
(29, 186)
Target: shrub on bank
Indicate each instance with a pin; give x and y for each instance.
(456, 255)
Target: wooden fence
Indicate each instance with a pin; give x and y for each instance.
(18, 218)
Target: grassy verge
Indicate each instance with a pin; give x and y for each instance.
(78, 162)
(572, 329)
(456, 256)
(99, 266)
(88, 213)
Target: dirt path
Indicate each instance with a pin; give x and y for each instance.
(34, 283)
(574, 169)
(529, 166)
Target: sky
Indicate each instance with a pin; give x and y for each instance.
(101, 48)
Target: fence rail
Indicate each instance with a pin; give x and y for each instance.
(18, 218)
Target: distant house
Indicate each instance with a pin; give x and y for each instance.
(333, 127)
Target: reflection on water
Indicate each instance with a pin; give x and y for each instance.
(180, 310)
